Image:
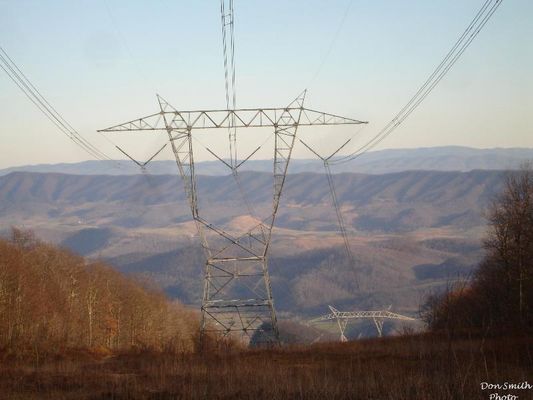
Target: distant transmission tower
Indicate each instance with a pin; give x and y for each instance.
(343, 317)
(237, 291)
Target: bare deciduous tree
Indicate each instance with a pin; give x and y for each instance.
(51, 298)
(500, 295)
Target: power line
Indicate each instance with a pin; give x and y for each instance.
(33, 94)
(453, 55)
(335, 202)
(476, 25)
(227, 18)
(23, 86)
(141, 72)
(332, 43)
(17, 76)
(340, 218)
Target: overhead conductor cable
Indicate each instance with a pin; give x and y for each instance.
(488, 8)
(33, 94)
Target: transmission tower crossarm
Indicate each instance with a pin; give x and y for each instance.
(242, 118)
(343, 317)
(237, 293)
(336, 314)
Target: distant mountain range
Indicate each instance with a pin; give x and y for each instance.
(395, 202)
(452, 158)
(411, 232)
(414, 219)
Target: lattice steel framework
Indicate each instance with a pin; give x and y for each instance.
(343, 317)
(237, 293)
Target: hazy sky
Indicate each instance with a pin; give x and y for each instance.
(100, 62)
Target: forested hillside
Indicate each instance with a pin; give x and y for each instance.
(52, 300)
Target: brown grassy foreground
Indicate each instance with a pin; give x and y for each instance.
(411, 367)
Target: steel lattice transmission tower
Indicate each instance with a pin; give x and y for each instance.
(343, 317)
(237, 294)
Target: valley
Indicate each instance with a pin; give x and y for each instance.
(411, 232)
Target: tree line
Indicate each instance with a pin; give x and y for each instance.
(499, 296)
(52, 299)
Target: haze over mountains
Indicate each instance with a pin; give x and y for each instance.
(396, 202)
(410, 231)
(451, 158)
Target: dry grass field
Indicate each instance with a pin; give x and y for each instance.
(407, 367)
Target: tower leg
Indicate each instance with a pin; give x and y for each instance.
(379, 326)
(237, 294)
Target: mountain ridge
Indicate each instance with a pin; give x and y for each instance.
(409, 231)
(305, 187)
(446, 158)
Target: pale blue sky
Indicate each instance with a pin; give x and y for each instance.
(101, 62)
